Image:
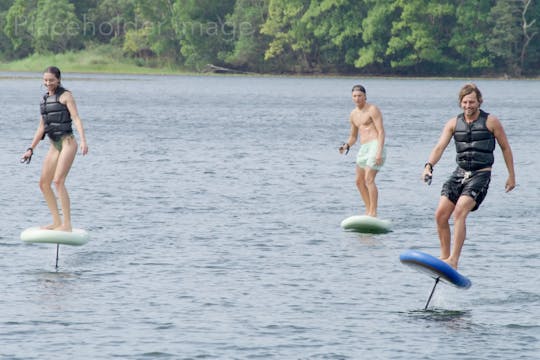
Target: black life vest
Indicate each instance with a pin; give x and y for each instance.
(474, 143)
(55, 115)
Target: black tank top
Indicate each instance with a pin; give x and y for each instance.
(474, 143)
(55, 115)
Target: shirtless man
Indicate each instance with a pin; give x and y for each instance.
(474, 132)
(366, 120)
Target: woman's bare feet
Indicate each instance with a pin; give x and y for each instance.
(59, 227)
(63, 228)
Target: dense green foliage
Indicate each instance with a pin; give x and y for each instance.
(392, 37)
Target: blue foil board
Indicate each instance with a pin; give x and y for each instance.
(434, 267)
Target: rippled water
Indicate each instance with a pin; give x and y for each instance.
(214, 205)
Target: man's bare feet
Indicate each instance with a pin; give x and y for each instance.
(451, 262)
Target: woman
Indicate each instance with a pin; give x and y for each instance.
(58, 112)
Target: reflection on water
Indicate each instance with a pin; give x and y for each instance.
(445, 315)
(455, 320)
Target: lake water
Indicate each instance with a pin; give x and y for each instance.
(214, 207)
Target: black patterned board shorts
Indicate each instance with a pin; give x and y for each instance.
(472, 183)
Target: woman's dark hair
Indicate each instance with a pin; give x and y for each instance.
(55, 71)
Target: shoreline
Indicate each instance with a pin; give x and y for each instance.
(101, 61)
(4, 74)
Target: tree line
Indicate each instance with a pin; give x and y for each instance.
(382, 37)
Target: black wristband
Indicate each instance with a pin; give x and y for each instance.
(31, 150)
(430, 166)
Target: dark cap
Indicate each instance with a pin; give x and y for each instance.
(359, 88)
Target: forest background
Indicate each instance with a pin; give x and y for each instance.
(369, 37)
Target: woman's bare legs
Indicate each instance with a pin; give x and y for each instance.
(55, 169)
(47, 175)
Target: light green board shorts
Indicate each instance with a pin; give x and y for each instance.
(367, 153)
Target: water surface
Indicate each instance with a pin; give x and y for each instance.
(214, 205)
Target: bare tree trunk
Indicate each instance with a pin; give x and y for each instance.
(527, 37)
